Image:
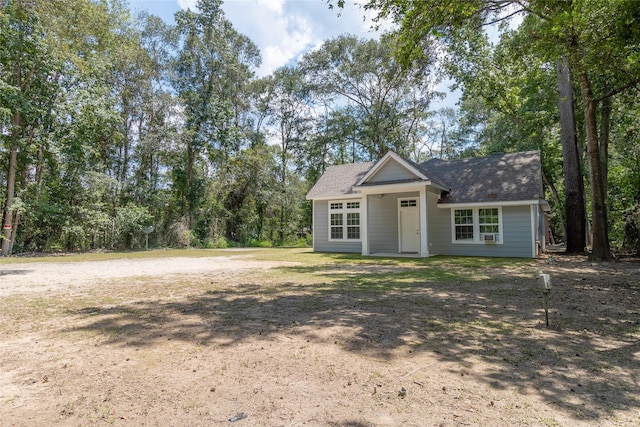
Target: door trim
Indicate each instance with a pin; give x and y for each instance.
(410, 204)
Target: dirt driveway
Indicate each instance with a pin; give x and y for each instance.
(291, 338)
(56, 278)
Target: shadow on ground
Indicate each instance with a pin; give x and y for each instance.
(13, 272)
(585, 364)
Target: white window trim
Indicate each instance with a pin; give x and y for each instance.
(476, 226)
(344, 211)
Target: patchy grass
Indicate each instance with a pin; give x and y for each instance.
(303, 255)
(323, 339)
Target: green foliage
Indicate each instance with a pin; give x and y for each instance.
(255, 243)
(624, 170)
(632, 230)
(129, 222)
(211, 68)
(219, 243)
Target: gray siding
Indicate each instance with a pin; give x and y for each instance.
(517, 231)
(383, 230)
(392, 171)
(516, 227)
(383, 222)
(438, 226)
(321, 241)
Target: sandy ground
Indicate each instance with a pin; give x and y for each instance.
(199, 341)
(54, 278)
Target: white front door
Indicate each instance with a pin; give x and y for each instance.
(409, 225)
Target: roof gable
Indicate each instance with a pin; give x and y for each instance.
(392, 168)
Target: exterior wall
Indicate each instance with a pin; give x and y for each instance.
(516, 227)
(517, 232)
(383, 222)
(391, 171)
(383, 230)
(437, 218)
(321, 241)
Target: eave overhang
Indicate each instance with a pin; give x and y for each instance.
(489, 203)
(397, 187)
(336, 197)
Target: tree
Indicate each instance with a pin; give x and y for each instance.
(599, 38)
(509, 103)
(290, 113)
(575, 236)
(367, 85)
(212, 62)
(624, 171)
(26, 66)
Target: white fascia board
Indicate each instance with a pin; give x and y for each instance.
(337, 197)
(439, 187)
(391, 188)
(384, 160)
(478, 204)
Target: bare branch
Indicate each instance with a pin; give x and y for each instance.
(614, 92)
(504, 18)
(527, 9)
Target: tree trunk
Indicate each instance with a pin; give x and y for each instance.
(39, 172)
(573, 182)
(126, 144)
(605, 130)
(11, 187)
(601, 250)
(14, 232)
(283, 160)
(556, 199)
(188, 192)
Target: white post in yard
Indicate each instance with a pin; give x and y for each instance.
(146, 232)
(545, 283)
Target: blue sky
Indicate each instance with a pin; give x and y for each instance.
(282, 29)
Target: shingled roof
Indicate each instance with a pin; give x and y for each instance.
(497, 178)
(339, 180)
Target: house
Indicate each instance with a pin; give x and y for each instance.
(488, 206)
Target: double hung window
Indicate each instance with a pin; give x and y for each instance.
(344, 220)
(477, 225)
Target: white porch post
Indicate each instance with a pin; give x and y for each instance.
(424, 248)
(364, 224)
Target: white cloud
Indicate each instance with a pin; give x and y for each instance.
(284, 30)
(272, 5)
(292, 35)
(187, 4)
